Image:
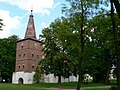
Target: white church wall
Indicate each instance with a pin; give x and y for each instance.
(51, 79)
(26, 76)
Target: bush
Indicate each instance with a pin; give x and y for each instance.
(113, 88)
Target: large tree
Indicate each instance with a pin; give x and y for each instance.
(56, 59)
(81, 11)
(116, 37)
(67, 42)
(115, 3)
(7, 57)
(102, 54)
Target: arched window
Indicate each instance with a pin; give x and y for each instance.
(22, 45)
(32, 55)
(23, 66)
(23, 55)
(37, 56)
(19, 55)
(19, 66)
(33, 66)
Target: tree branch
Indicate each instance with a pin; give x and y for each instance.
(117, 6)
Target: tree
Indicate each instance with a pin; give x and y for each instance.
(101, 49)
(82, 11)
(116, 38)
(7, 57)
(57, 40)
(68, 40)
(38, 74)
(116, 3)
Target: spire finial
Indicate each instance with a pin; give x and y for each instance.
(31, 11)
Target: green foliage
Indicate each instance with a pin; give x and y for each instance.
(38, 74)
(86, 33)
(1, 24)
(98, 54)
(57, 40)
(7, 57)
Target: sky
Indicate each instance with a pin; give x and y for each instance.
(15, 15)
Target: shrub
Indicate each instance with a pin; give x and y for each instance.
(113, 88)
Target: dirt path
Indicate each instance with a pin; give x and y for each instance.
(83, 88)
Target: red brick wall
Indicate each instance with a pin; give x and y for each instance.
(28, 53)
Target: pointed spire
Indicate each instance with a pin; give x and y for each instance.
(30, 31)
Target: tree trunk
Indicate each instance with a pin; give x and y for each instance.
(118, 70)
(59, 79)
(81, 32)
(116, 43)
(107, 75)
(117, 6)
(79, 79)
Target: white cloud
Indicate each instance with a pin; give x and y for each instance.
(44, 25)
(9, 22)
(57, 4)
(39, 6)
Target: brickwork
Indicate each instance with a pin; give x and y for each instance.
(28, 54)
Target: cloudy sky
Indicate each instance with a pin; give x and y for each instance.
(15, 15)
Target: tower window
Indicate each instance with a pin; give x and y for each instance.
(19, 66)
(37, 56)
(33, 67)
(22, 45)
(32, 55)
(19, 55)
(23, 66)
(23, 55)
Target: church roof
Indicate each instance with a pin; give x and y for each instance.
(30, 31)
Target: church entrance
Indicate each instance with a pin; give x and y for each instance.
(20, 81)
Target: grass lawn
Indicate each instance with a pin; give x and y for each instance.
(19, 87)
(42, 86)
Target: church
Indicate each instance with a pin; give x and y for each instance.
(28, 53)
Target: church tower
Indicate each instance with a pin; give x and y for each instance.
(28, 53)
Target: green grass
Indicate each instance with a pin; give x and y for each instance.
(42, 86)
(17, 87)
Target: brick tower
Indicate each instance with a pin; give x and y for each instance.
(28, 53)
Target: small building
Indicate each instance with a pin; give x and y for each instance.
(28, 53)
